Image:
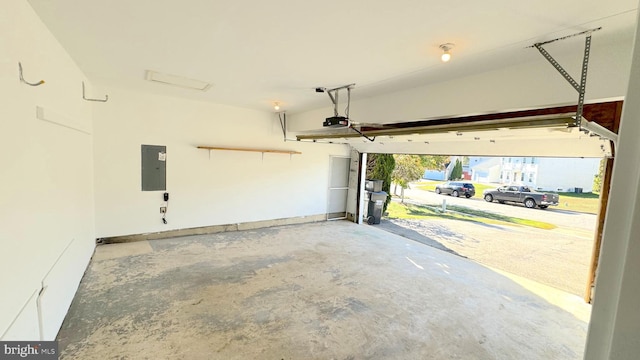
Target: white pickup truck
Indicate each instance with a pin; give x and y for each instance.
(523, 195)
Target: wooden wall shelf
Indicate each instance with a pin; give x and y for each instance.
(289, 152)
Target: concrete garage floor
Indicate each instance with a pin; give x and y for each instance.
(330, 290)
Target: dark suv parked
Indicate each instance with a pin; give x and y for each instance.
(456, 188)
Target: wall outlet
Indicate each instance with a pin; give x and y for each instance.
(163, 209)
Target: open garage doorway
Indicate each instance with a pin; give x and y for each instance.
(540, 133)
(551, 246)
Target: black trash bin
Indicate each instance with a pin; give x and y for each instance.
(375, 206)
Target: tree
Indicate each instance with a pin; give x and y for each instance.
(597, 179)
(456, 173)
(434, 162)
(380, 167)
(408, 168)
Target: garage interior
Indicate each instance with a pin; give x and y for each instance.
(322, 291)
(89, 85)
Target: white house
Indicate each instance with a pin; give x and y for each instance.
(547, 174)
(485, 169)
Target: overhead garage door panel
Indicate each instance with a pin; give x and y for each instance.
(540, 136)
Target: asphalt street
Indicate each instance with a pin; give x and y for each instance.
(554, 214)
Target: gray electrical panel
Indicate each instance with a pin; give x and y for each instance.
(154, 167)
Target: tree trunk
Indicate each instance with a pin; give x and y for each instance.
(402, 194)
(395, 188)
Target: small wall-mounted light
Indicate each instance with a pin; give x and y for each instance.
(446, 55)
(276, 106)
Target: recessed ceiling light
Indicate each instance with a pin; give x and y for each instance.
(176, 80)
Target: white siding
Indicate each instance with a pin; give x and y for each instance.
(549, 174)
(485, 169)
(563, 174)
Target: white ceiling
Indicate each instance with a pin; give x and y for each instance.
(257, 52)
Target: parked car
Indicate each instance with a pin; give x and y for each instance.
(456, 188)
(523, 195)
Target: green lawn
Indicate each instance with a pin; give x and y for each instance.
(397, 210)
(427, 185)
(582, 202)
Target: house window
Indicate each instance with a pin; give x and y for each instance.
(533, 160)
(508, 176)
(524, 160)
(501, 175)
(509, 160)
(522, 177)
(530, 177)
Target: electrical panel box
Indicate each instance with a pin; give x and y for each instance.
(154, 168)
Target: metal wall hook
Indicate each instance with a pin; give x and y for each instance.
(25, 81)
(106, 97)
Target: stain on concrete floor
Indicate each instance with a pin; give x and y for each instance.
(331, 290)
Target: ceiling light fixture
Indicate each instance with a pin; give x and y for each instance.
(446, 55)
(177, 80)
(276, 106)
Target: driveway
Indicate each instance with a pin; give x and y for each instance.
(558, 257)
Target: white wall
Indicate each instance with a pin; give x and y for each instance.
(206, 188)
(566, 173)
(615, 319)
(527, 85)
(46, 193)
